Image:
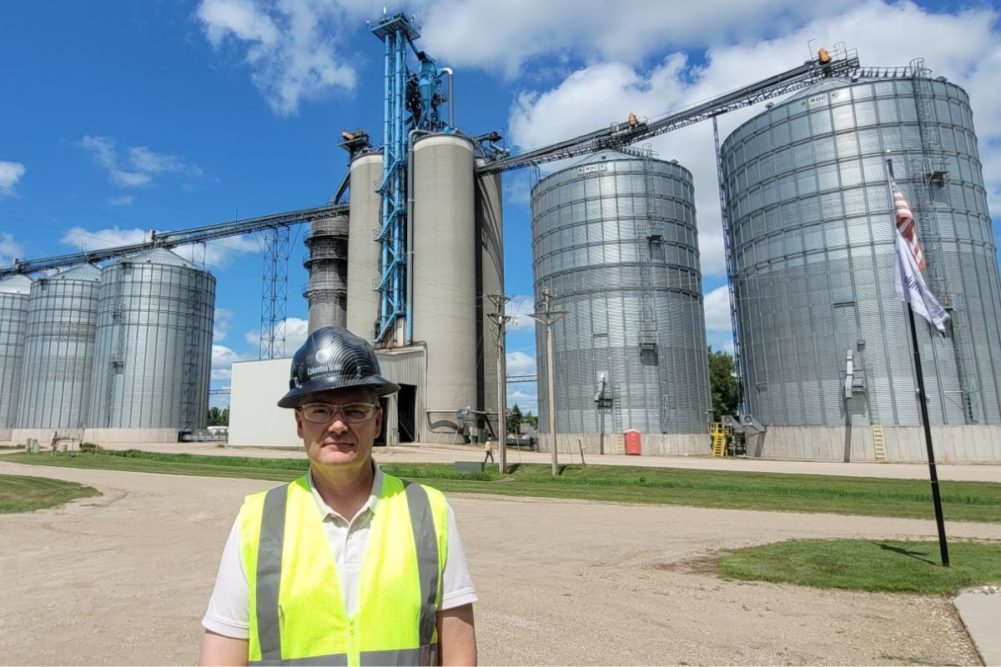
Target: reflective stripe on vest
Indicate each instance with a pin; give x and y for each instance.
(267, 582)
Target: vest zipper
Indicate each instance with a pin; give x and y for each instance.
(354, 654)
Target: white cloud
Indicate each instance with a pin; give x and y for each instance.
(9, 249)
(223, 320)
(219, 252)
(294, 329)
(214, 254)
(10, 174)
(137, 166)
(524, 396)
(717, 307)
(519, 363)
(290, 46)
(521, 31)
(519, 307)
(85, 239)
(964, 47)
(241, 18)
(124, 200)
(222, 362)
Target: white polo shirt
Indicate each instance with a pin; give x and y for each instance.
(229, 607)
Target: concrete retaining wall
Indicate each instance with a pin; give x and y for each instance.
(903, 444)
(44, 436)
(655, 444)
(101, 436)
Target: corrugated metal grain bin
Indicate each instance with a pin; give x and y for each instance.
(813, 257)
(154, 344)
(14, 293)
(615, 244)
(59, 350)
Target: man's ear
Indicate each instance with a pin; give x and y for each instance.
(298, 423)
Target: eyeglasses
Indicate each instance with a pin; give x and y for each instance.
(323, 413)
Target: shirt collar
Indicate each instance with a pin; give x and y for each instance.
(370, 504)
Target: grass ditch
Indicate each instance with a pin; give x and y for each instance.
(962, 501)
(887, 566)
(26, 494)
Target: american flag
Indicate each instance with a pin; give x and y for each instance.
(905, 225)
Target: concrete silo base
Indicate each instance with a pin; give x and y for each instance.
(129, 435)
(44, 436)
(978, 443)
(653, 444)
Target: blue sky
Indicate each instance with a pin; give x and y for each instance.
(120, 117)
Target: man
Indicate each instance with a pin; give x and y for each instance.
(488, 448)
(346, 565)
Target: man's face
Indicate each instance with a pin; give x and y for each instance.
(340, 442)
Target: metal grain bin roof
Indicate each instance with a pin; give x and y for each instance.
(81, 272)
(16, 285)
(158, 256)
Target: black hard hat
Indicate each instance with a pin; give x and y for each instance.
(334, 358)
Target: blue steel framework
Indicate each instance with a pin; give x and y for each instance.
(411, 103)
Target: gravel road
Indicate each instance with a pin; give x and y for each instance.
(124, 578)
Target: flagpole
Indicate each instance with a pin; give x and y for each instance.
(943, 545)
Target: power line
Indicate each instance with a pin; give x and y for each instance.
(547, 317)
(501, 320)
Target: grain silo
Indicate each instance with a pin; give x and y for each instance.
(327, 263)
(824, 344)
(154, 349)
(363, 247)
(445, 281)
(56, 383)
(615, 245)
(14, 293)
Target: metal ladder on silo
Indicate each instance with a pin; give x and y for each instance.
(649, 232)
(191, 385)
(117, 343)
(933, 173)
(931, 145)
(878, 443)
(961, 338)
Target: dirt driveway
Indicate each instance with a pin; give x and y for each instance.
(124, 578)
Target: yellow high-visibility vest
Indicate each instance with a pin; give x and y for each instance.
(297, 608)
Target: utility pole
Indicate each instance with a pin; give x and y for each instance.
(501, 320)
(547, 316)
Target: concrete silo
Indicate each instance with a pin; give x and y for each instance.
(327, 263)
(824, 343)
(363, 246)
(490, 273)
(14, 293)
(444, 267)
(58, 355)
(154, 349)
(615, 244)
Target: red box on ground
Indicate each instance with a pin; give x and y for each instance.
(634, 445)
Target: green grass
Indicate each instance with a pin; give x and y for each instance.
(962, 501)
(27, 494)
(868, 565)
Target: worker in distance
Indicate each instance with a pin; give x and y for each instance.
(346, 565)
